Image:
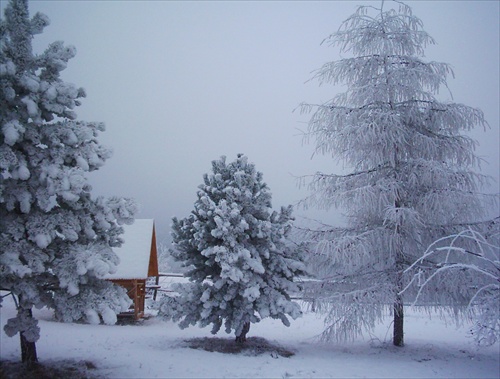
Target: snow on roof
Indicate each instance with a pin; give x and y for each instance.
(135, 251)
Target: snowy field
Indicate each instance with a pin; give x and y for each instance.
(156, 349)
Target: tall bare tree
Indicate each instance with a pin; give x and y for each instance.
(413, 176)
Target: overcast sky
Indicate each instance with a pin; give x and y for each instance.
(180, 83)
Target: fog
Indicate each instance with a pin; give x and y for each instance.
(181, 83)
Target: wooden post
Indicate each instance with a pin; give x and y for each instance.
(157, 283)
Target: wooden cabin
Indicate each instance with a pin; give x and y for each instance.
(138, 261)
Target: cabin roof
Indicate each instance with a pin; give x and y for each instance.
(138, 256)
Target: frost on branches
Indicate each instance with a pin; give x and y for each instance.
(463, 271)
(240, 264)
(412, 179)
(55, 240)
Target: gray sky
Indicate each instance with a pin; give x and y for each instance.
(180, 83)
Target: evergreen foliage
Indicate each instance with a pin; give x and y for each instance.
(413, 176)
(239, 262)
(55, 239)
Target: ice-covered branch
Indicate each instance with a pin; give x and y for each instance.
(469, 256)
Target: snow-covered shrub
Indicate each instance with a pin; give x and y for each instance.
(236, 252)
(463, 271)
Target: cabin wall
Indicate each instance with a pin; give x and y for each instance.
(136, 290)
(153, 256)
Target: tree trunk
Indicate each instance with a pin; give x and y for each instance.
(398, 332)
(28, 349)
(398, 335)
(242, 337)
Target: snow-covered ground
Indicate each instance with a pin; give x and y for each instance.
(154, 349)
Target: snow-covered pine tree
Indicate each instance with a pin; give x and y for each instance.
(55, 240)
(240, 264)
(413, 178)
